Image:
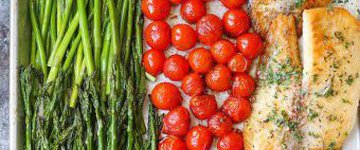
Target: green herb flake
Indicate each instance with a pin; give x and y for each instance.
(339, 35)
(312, 114)
(349, 80)
(331, 146)
(346, 101)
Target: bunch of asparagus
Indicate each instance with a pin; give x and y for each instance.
(85, 85)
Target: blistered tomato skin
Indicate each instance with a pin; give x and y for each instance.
(183, 37)
(231, 141)
(203, 106)
(193, 84)
(198, 138)
(250, 45)
(166, 96)
(239, 63)
(201, 60)
(243, 85)
(220, 124)
(236, 22)
(158, 35)
(172, 143)
(233, 3)
(192, 10)
(209, 29)
(222, 51)
(176, 122)
(153, 61)
(155, 9)
(176, 67)
(219, 78)
(238, 109)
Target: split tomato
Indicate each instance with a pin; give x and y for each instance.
(238, 109)
(203, 106)
(176, 122)
(193, 84)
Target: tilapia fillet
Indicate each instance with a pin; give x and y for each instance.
(331, 76)
(273, 123)
(263, 12)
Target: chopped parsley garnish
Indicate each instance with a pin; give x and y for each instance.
(331, 145)
(349, 80)
(299, 3)
(312, 114)
(315, 77)
(346, 101)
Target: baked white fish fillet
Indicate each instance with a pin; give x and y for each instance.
(274, 122)
(263, 12)
(330, 82)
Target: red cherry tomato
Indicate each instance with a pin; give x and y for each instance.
(193, 84)
(219, 78)
(250, 45)
(203, 106)
(172, 143)
(200, 60)
(176, 122)
(209, 29)
(155, 9)
(176, 2)
(239, 63)
(243, 85)
(238, 109)
(183, 37)
(232, 3)
(157, 35)
(153, 61)
(222, 51)
(192, 10)
(198, 138)
(220, 124)
(176, 67)
(232, 141)
(166, 96)
(236, 22)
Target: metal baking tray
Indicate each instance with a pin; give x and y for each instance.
(19, 53)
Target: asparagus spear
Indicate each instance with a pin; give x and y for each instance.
(130, 121)
(97, 32)
(39, 40)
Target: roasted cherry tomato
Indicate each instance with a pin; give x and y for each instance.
(243, 85)
(176, 67)
(238, 109)
(250, 45)
(219, 78)
(220, 124)
(239, 63)
(176, 122)
(200, 60)
(209, 29)
(193, 84)
(153, 61)
(236, 22)
(166, 96)
(198, 138)
(203, 106)
(155, 9)
(183, 37)
(192, 10)
(176, 2)
(157, 35)
(172, 143)
(232, 141)
(232, 3)
(222, 51)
